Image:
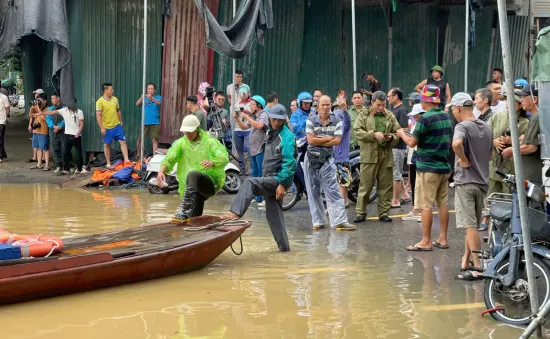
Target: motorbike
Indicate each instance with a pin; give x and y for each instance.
(232, 185)
(298, 188)
(506, 292)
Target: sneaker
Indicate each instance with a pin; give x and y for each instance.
(57, 170)
(318, 227)
(261, 204)
(83, 170)
(346, 227)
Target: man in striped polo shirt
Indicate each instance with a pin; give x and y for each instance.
(432, 136)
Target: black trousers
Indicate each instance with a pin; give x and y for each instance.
(70, 141)
(3, 154)
(205, 189)
(412, 176)
(56, 143)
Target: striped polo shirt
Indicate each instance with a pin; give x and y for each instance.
(332, 128)
(434, 132)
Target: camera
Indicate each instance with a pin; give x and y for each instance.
(210, 94)
(36, 125)
(34, 103)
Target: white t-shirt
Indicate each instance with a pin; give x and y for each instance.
(247, 108)
(499, 107)
(4, 105)
(72, 120)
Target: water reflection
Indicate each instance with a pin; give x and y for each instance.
(332, 284)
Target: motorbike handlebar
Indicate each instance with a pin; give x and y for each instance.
(502, 174)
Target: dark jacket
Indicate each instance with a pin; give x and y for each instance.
(280, 156)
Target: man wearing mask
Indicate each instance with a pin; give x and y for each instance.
(257, 122)
(324, 131)
(375, 131)
(242, 137)
(354, 112)
(56, 125)
(40, 137)
(278, 170)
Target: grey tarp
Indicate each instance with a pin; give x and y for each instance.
(253, 18)
(48, 20)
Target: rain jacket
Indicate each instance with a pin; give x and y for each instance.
(188, 156)
(280, 156)
(370, 147)
(298, 121)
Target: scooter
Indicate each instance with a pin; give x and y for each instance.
(506, 285)
(298, 188)
(232, 185)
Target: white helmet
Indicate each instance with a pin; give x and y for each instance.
(190, 123)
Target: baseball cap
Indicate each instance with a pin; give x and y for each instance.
(414, 97)
(417, 109)
(461, 99)
(528, 90)
(430, 93)
(190, 123)
(278, 111)
(39, 91)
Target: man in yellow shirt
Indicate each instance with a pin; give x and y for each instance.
(109, 119)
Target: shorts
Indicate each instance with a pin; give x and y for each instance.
(469, 202)
(115, 133)
(152, 131)
(496, 186)
(41, 141)
(399, 158)
(432, 187)
(343, 173)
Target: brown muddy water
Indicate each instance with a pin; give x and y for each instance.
(331, 285)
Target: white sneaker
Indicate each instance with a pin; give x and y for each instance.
(83, 170)
(57, 170)
(411, 217)
(261, 204)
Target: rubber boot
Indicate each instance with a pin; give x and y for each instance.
(186, 206)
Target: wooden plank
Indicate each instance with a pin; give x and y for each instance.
(53, 265)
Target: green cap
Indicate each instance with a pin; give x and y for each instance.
(438, 68)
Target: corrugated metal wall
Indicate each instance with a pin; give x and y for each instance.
(453, 58)
(106, 43)
(518, 27)
(275, 66)
(185, 62)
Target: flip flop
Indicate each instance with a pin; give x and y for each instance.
(438, 245)
(404, 201)
(395, 206)
(414, 248)
(468, 276)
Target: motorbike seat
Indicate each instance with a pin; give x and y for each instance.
(501, 212)
(354, 154)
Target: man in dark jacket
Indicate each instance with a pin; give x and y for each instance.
(279, 167)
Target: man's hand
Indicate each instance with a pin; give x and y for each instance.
(56, 129)
(77, 135)
(161, 178)
(30, 129)
(508, 153)
(280, 193)
(464, 163)
(388, 137)
(499, 144)
(103, 131)
(507, 140)
(379, 136)
(207, 164)
(121, 123)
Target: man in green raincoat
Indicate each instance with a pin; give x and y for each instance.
(201, 160)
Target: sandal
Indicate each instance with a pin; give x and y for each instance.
(46, 169)
(35, 167)
(438, 245)
(414, 248)
(468, 276)
(31, 160)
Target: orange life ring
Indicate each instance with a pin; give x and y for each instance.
(33, 245)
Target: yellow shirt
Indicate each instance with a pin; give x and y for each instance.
(108, 109)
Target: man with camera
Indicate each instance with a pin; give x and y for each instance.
(324, 131)
(152, 103)
(39, 127)
(242, 137)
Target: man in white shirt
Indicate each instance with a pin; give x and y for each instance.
(4, 111)
(74, 124)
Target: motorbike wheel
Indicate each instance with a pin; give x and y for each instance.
(233, 182)
(292, 197)
(515, 299)
(353, 189)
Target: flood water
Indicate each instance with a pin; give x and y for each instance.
(331, 285)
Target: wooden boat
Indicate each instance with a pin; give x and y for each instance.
(119, 257)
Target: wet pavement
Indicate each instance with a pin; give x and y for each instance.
(360, 284)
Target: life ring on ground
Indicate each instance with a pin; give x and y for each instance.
(33, 245)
